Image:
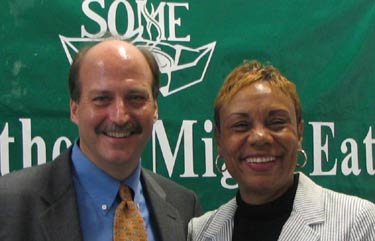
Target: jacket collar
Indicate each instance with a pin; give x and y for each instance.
(308, 210)
(167, 219)
(223, 222)
(60, 219)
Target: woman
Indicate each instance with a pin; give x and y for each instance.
(258, 133)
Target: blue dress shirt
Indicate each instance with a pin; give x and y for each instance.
(97, 198)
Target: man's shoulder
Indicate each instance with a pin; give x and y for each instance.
(32, 178)
(170, 191)
(164, 182)
(22, 188)
(26, 177)
(170, 195)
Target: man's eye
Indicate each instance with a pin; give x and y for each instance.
(101, 99)
(137, 98)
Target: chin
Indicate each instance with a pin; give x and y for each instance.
(118, 159)
(259, 183)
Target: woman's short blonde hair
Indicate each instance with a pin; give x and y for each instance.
(249, 72)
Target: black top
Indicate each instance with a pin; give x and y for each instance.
(263, 222)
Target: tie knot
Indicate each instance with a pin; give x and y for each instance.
(128, 222)
(125, 193)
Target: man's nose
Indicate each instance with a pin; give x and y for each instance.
(119, 112)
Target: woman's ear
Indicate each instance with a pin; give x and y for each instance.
(218, 139)
(300, 132)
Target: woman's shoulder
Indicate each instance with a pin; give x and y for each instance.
(336, 205)
(213, 219)
(313, 191)
(348, 204)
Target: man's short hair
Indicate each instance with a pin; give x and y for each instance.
(74, 83)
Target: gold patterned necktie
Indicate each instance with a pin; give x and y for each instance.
(128, 224)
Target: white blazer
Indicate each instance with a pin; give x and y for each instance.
(318, 214)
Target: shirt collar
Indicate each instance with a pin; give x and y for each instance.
(100, 186)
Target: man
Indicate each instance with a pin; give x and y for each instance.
(113, 88)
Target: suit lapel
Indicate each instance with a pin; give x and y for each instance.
(296, 228)
(60, 220)
(166, 217)
(221, 226)
(308, 210)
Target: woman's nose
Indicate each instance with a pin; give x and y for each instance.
(259, 136)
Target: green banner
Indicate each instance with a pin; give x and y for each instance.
(325, 47)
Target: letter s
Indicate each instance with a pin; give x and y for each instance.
(95, 17)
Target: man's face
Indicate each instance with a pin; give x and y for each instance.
(116, 110)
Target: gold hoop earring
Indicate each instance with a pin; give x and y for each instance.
(304, 159)
(220, 169)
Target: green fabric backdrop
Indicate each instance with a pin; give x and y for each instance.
(325, 47)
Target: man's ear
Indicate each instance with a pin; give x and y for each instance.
(73, 111)
(156, 113)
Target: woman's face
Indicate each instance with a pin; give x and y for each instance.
(258, 138)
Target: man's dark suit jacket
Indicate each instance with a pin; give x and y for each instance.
(39, 204)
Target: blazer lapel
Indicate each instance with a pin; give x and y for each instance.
(60, 220)
(308, 210)
(296, 228)
(165, 215)
(221, 226)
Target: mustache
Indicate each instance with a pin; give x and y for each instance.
(131, 127)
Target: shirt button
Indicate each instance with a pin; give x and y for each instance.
(104, 206)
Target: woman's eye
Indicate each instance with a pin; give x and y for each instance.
(240, 126)
(277, 123)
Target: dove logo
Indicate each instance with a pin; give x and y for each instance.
(157, 27)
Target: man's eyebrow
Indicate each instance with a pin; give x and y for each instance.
(99, 91)
(138, 91)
